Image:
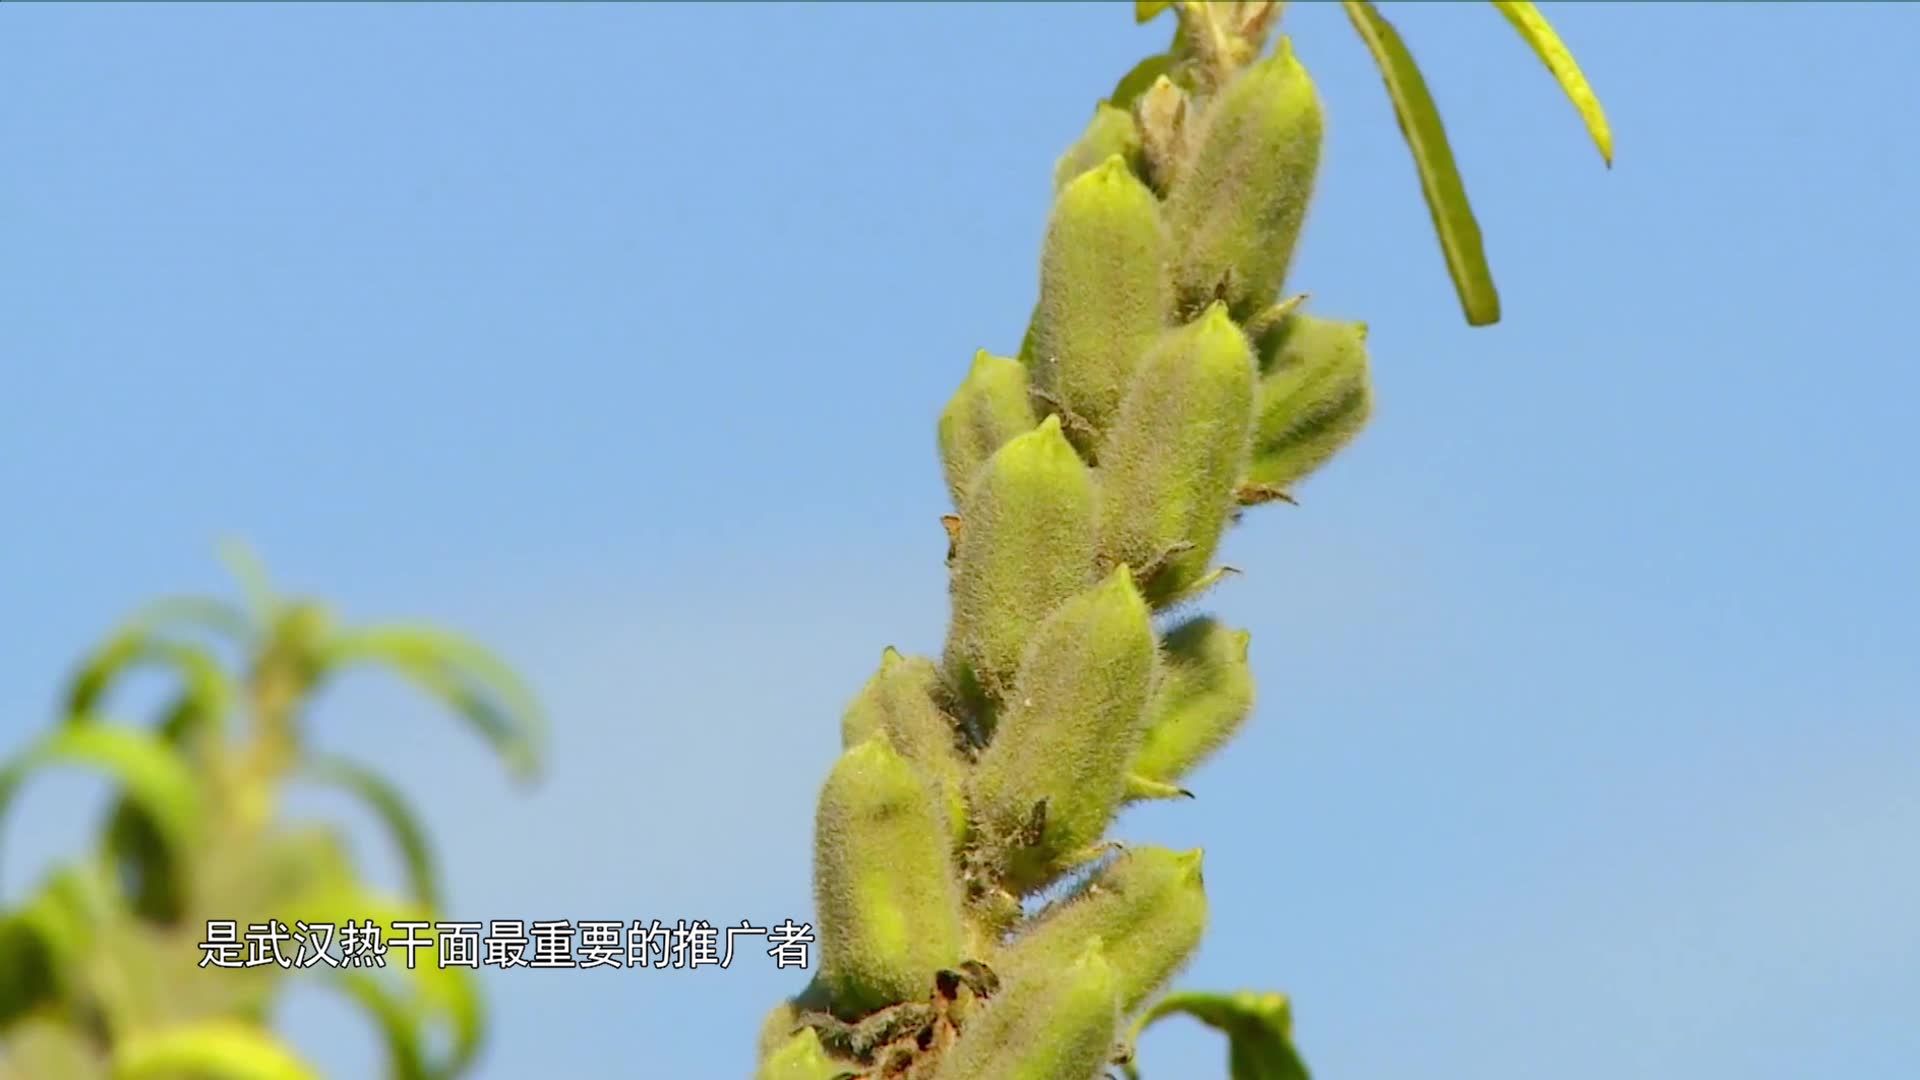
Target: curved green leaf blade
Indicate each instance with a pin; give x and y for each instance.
(44, 942)
(1147, 10)
(399, 1023)
(447, 996)
(207, 692)
(1139, 79)
(263, 603)
(465, 676)
(1539, 34)
(209, 1050)
(1446, 195)
(1258, 1026)
(396, 814)
(155, 775)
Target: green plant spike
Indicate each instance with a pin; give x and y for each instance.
(1174, 383)
(888, 903)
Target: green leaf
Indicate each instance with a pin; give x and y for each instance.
(263, 604)
(1147, 10)
(209, 1050)
(446, 996)
(398, 1021)
(463, 675)
(43, 944)
(207, 691)
(1440, 180)
(155, 775)
(395, 812)
(1533, 26)
(1258, 1026)
(1137, 81)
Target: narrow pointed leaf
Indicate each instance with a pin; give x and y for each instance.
(399, 1023)
(1258, 1027)
(395, 812)
(156, 776)
(1440, 182)
(464, 676)
(207, 691)
(263, 604)
(1539, 34)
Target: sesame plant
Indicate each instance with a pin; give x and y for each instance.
(101, 964)
(976, 920)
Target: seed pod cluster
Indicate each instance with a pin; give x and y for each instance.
(1163, 387)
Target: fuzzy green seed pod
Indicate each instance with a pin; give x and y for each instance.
(901, 701)
(1028, 530)
(1055, 773)
(1104, 294)
(1235, 211)
(1205, 694)
(1168, 469)
(884, 890)
(1110, 132)
(1149, 905)
(1050, 1024)
(801, 1057)
(1313, 400)
(991, 407)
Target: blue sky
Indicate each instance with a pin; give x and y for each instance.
(614, 335)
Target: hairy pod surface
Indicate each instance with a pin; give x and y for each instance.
(1150, 907)
(884, 889)
(1055, 773)
(801, 1057)
(1236, 210)
(1049, 1024)
(1028, 535)
(991, 407)
(1168, 470)
(1204, 695)
(1313, 400)
(1111, 131)
(1104, 294)
(1161, 115)
(901, 702)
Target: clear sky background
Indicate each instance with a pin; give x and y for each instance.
(1589, 742)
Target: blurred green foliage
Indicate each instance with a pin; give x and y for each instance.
(101, 972)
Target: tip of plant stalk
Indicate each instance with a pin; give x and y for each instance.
(889, 656)
(1241, 640)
